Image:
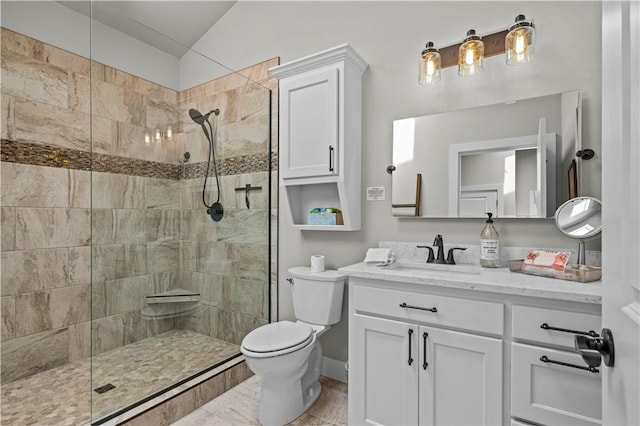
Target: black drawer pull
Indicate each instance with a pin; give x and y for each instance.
(410, 361)
(425, 364)
(545, 359)
(591, 333)
(404, 305)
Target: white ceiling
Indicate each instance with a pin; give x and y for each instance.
(171, 26)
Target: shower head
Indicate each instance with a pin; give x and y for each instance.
(199, 118)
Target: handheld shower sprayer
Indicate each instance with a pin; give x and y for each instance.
(199, 118)
(214, 210)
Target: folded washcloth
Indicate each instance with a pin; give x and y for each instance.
(379, 257)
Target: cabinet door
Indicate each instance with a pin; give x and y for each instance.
(309, 124)
(461, 382)
(551, 393)
(383, 372)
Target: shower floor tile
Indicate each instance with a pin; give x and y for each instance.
(65, 396)
(239, 407)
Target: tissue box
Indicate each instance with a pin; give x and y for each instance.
(325, 216)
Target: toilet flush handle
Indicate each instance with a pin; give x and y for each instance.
(290, 280)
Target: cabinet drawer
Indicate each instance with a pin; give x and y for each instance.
(486, 317)
(528, 321)
(553, 394)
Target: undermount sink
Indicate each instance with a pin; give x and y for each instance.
(439, 267)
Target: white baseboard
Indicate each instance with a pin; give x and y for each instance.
(334, 369)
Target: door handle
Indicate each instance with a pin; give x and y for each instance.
(590, 368)
(594, 350)
(410, 360)
(425, 364)
(330, 158)
(404, 305)
(546, 326)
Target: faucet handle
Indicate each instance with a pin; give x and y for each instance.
(450, 258)
(430, 257)
(438, 240)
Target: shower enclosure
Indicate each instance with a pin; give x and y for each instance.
(117, 285)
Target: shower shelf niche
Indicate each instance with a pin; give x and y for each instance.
(178, 295)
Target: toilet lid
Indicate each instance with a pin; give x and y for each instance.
(277, 336)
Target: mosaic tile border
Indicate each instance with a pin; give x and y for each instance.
(44, 155)
(67, 158)
(234, 166)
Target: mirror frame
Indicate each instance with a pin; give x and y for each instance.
(566, 132)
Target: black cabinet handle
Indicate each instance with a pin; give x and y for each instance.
(546, 359)
(330, 158)
(425, 364)
(410, 361)
(591, 333)
(404, 305)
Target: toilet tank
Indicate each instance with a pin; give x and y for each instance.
(317, 296)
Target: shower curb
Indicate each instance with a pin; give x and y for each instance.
(171, 405)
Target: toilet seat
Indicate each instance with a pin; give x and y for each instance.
(278, 338)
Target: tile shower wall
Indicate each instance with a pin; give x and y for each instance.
(134, 216)
(225, 261)
(46, 207)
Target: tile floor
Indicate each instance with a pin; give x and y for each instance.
(238, 407)
(64, 396)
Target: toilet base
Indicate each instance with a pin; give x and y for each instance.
(272, 412)
(285, 397)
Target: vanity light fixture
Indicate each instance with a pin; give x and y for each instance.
(430, 65)
(519, 42)
(471, 54)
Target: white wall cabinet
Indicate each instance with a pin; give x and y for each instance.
(309, 124)
(320, 135)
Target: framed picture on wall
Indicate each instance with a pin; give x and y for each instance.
(572, 174)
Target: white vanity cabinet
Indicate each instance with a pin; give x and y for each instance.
(550, 383)
(320, 135)
(410, 364)
(494, 347)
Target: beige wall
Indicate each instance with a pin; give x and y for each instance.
(94, 219)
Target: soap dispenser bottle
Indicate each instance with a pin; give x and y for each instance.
(489, 245)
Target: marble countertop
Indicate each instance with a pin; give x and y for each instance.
(498, 280)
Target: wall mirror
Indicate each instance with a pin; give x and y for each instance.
(515, 159)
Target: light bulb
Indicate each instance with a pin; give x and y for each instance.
(429, 66)
(147, 139)
(158, 136)
(169, 133)
(518, 42)
(469, 57)
(470, 54)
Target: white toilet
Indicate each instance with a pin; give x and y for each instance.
(286, 355)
